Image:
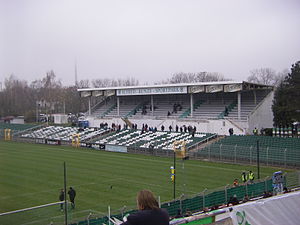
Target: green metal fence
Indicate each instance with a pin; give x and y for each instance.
(209, 198)
(269, 156)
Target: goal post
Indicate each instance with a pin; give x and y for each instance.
(50, 213)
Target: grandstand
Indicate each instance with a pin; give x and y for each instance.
(130, 138)
(213, 107)
(63, 133)
(159, 139)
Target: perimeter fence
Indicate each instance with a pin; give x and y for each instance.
(269, 156)
(203, 200)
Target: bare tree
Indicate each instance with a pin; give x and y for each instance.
(209, 77)
(115, 83)
(193, 78)
(262, 76)
(83, 84)
(280, 76)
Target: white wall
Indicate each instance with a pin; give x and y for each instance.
(60, 118)
(220, 127)
(263, 116)
(17, 121)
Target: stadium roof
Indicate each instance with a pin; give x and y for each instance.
(182, 88)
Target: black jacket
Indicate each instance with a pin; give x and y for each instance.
(62, 196)
(148, 217)
(72, 194)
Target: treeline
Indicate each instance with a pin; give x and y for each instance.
(286, 103)
(47, 95)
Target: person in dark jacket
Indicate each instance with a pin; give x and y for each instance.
(61, 198)
(149, 212)
(72, 195)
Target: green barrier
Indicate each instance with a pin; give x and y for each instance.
(207, 220)
(203, 200)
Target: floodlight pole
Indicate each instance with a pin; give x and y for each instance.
(257, 147)
(65, 189)
(174, 183)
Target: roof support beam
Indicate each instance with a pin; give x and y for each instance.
(239, 105)
(192, 104)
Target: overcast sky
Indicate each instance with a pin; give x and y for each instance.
(146, 39)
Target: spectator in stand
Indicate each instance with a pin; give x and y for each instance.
(185, 128)
(267, 194)
(235, 182)
(255, 131)
(179, 107)
(226, 111)
(246, 198)
(169, 114)
(149, 212)
(170, 128)
(174, 108)
(178, 215)
(162, 128)
(285, 190)
(233, 200)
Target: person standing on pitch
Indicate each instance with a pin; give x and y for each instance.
(61, 198)
(244, 177)
(72, 194)
(251, 176)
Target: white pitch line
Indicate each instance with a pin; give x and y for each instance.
(130, 157)
(58, 188)
(155, 185)
(141, 159)
(88, 210)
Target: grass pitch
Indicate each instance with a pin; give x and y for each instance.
(32, 175)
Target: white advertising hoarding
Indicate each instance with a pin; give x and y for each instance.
(277, 210)
(152, 91)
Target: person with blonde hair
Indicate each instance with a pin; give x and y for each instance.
(149, 212)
